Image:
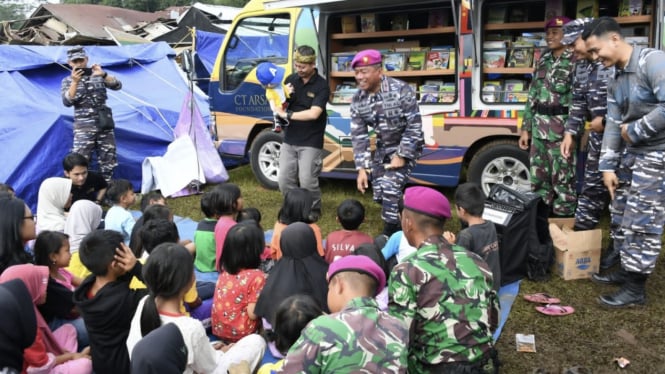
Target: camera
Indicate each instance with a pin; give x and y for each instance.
(86, 71)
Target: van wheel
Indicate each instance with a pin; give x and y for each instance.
(264, 158)
(500, 162)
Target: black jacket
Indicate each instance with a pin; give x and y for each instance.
(108, 316)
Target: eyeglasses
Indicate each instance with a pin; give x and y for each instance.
(34, 218)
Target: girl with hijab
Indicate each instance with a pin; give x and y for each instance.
(18, 325)
(17, 227)
(51, 352)
(53, 198)
(84, 217)
(301, 270)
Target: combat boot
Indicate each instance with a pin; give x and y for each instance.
(631, 293)
(611, 256)
(618, 278)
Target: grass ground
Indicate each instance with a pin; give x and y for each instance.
(592, 337)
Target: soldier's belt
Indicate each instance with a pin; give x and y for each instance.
(551, 110)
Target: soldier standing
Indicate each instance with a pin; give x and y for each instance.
(85, 89)
(444, 293)
(390, 107)
(545, 114)
(589, 103)
(357, 337)
(635, 178)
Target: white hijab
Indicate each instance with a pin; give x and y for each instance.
(53, 195)
(84, 217)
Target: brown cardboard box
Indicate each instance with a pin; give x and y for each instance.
(349, 24)
(577, 252)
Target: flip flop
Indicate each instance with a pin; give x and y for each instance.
(541, 298)
(555, 310)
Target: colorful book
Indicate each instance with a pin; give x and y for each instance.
(630, 8)
(521, 55)
(514, 91)
(416, 60)
(587, 8)
(429, 93)
(447, 92)
(494, 54)
(491, 91)
(368, 22)
(342, 61)
(393, 61)
(438, 59)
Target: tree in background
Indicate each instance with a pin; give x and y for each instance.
(11, 12)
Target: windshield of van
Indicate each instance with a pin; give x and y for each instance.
(255, 40)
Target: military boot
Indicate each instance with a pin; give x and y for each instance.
(611, 256)
(618, 278)
(631, 293)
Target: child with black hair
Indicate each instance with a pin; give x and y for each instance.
(340, 243)
(204, 239)
(372, 251)
(86, 185)
(155, 211)
(480, 235)
(250, 213)
(297, 207)
(121, 194)
(52, 250)
(240, 283)
(152, 198)
(105, 300)
(291, 317)
(169, 273)
(228, 202)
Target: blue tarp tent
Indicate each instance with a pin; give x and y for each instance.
(36, 128)
(207, 47)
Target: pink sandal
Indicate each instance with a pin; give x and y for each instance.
(541, 298)
(556, 310)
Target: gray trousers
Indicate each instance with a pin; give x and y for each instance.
(301, 166)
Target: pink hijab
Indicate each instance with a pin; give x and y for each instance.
(35, 279)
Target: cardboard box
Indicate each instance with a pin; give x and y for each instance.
(577, 252)
(349, 24)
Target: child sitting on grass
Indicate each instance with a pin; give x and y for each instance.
(340, 243)
(204, 239)
(297, 207)
(121, 194)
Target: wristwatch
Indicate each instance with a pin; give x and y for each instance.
(105, 75)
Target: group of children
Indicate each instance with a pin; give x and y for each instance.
(134, 277)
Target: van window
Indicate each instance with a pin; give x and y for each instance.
(255, 40)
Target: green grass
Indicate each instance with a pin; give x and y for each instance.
(591, 337)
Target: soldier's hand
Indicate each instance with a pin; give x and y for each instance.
(597, 124)
(567, 145)
(97, 70)
(524, 140)
(77, 74)
(624, 133)
(611, 182)
(362, 181)
(397, 162)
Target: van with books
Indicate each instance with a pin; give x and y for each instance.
(470, 67)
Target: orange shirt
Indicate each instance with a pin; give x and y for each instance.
(277, 233)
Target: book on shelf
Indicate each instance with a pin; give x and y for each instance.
(416, 60)
(553, 8)
(437, 18)
(518, 13)
(514, 91)
(494, 54)
(349, 24)
(344, 92)
(399, 22)
(438, 59)
(368, 22)
(587, 8)
(630, 8)
(521, 55)
(393, 61)
(429, 93)
(497, 14)
(492, 91)
(342, 61)
(447, 92)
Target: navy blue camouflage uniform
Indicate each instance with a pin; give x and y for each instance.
(636, 98)
(394, 115)
(90, 96)
(588, 102)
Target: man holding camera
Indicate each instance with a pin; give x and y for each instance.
(85, 89)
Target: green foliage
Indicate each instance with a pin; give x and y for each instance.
(11, 12)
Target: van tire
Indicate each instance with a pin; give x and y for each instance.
(264, 158)
(500, 162)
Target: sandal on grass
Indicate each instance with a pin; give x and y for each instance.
(541, 298)
(555, 310)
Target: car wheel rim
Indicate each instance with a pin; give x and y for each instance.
(269, 160)
(508, 171)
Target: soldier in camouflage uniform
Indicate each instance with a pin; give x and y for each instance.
(444, 293)
(545, 114)
(357, 336)
(87, 93)
(389, 106)
(635, 115)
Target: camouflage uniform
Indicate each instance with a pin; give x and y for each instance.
(359, 338)
(394, 114)
(445, 294)
(636, 97)
(589, 101)
(90, 96)
(545, 114)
